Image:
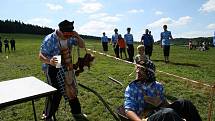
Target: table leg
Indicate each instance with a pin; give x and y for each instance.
(35, 115)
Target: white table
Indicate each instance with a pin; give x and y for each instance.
(23, 89)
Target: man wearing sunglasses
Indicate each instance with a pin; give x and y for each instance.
(145, 100)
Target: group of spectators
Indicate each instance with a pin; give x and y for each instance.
(6, 45)
(203, 46)
(120, 44)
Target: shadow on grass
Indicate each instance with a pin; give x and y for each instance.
(180, 64)
(171, 98)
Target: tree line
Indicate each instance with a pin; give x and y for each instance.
(195, 41)
(14, 26)
(10, 26)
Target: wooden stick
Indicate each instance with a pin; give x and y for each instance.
(114, 80)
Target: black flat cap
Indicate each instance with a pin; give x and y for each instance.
(66, 26)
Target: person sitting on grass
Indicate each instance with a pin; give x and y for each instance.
(145, 100)
(140, 58)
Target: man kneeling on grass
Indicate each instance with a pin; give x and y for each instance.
(145, 101)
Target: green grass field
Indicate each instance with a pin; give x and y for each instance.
(192, 64)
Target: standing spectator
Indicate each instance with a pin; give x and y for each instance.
(147, 41)
(12, 44)
(150, 33)
(122, 46)
(214, 39)
(104, 40)
(190, 45)
(63, 79)
(130, 47)
(114, 42)
(140, 58)
(165, 43)
(0, 45)
(6, 45)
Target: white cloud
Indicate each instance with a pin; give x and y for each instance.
(158, 13)
(90, 7)
(194, 34)
(105, 17)
(211, 26)
(87, 6)
(170, 22)
(74, 1)
(98, 16)
(40, 22)
(98, 23)
(54, 6)
(209, 6)
(80, 1)
(92, 0)
(160, 22)
(136, 11)
(182, 21)
(95, 27)
(119, 15)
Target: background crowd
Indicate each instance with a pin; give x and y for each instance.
(121, 44)
(6, 43)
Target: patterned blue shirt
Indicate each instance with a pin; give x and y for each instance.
(50, 45)
(104, 39)
(129, 39)
(165, 37)
(134, 95)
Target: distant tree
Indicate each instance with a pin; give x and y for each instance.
(10, 26)
(196, 41)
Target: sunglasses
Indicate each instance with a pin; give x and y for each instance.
(67, 33)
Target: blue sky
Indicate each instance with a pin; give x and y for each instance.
(185, 18)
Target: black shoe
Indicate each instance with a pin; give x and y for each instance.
(80, 117)
(45, 118)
